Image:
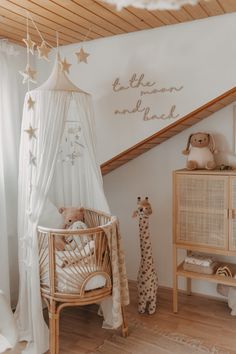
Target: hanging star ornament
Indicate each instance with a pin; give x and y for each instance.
(43, 51)
(65, 66)
(30, 103)
(28, 74)
(31, 131)
(29, 44)
(32, 159)
(82, 56)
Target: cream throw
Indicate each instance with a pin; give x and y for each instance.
(111, 307)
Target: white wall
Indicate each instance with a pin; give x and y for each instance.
(151, 175)
(200, 56)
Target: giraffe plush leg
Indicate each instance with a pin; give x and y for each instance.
(141, 304)
(152, 305)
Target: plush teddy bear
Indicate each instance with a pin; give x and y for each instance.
(201, 153)
(71, 216)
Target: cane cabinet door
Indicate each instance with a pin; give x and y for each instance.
(201, 209)
(232, 214)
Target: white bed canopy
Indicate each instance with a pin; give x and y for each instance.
(57, 167)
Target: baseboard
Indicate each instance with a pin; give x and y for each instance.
(133, 285)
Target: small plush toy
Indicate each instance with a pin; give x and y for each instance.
(201, 153)
(71, 215)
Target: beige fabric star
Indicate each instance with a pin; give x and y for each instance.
(43, 51)
(32, 159)
(28, 74)
(31, 131)
(82, 56)
(29, 44)
(65, 66)
(30, 103)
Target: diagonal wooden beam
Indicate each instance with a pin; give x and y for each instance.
(171, 130)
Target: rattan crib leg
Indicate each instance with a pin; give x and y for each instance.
(53, 328)
(124, 323)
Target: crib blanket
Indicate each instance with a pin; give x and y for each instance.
(111, 307)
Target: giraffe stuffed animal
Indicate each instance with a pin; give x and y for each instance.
(147, 276)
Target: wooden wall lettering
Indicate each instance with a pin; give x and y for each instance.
(136, 82)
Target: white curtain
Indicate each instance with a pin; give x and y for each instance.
(43, 174)
(9, 138)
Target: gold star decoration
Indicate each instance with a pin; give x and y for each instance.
(31, 131)
(28, 74)
(30, 103)
(64, 65)
(82, 56)
(32, 159)
(29, 44)
(43, 51)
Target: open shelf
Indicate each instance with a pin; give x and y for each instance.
(209, 277)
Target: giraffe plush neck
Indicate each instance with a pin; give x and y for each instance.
(147, 277)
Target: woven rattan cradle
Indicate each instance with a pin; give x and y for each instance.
(67, 277)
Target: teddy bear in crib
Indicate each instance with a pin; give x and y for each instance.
(73, 220)
(200, 151)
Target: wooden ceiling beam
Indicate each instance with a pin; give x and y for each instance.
(107, 15)
(79, 20)
(212, 8)
(6, 14)
(64, 12)
(227, 5)
(40, 16)
(20, 29)
(146, 16)
(124, 14)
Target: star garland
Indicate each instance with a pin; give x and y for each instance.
(32, 158)
(65, 66)
(29, 44)
(43, 51)
(31, 132)
(82, 56)
(30, 103)
(28, 74)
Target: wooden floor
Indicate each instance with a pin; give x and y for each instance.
(199, 317)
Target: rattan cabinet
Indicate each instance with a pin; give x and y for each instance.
(204, 220)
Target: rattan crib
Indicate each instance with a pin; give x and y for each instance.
(79, 275)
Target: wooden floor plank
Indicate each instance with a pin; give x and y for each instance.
(199, 317)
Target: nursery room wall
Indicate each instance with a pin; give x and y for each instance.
(196, 58)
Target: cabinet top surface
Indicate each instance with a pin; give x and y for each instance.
(207, 172)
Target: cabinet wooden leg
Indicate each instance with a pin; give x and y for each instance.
(189, 286)
(175, 280)
(175, 294)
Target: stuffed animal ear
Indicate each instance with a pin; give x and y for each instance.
(186, 151)
(61, 210)
(138, 200)
(146, 198)
(212, 145)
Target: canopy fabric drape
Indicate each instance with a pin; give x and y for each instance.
(9, 140)
(50, 172)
